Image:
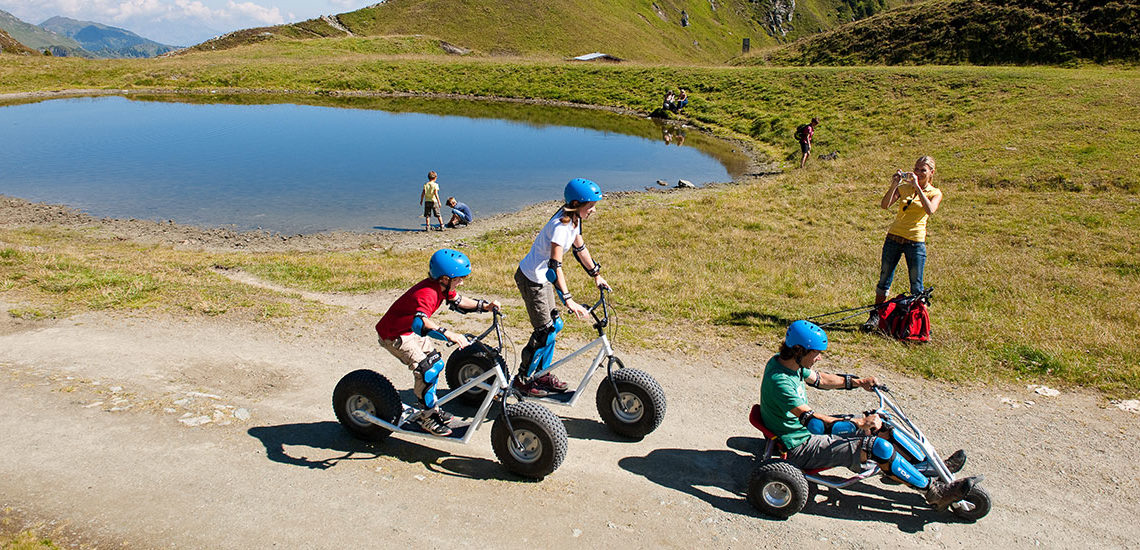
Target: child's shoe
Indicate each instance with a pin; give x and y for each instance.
(433, 424)
(550, 383)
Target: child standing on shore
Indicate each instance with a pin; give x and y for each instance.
(540, 275)
(429, 197)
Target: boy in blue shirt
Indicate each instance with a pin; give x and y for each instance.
(460, 213)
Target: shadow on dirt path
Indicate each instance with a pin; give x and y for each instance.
(280, 439)
(700, 473)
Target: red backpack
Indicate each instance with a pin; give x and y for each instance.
(906, 318)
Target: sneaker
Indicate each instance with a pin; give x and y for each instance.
(530, 389)
(550, 383)
(941, 494)
(955, 462)
(433, 424)
(444, 416)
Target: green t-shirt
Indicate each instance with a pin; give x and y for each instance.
(782, 390)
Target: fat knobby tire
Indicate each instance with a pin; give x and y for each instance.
(645, 389)
(979, 498)
(374, 388)
(773, 472)
(538, 420)
(477, 354)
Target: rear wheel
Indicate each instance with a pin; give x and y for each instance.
(974, 507)
(466, 364)
(541, 436)
(639, 406)
(777, 489)
(369, 392)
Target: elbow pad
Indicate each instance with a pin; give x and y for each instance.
(419, 329)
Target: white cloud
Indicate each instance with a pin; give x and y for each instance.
(261, 14)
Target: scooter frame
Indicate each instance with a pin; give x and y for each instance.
(521, 448)
(892, 416)
(627, 405)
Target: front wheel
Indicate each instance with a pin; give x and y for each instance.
(467, 364)
(541, 436)
(637, 409)
(366, 391)
(974, 507)
(777, 489)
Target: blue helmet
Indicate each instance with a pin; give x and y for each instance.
(449, 263)
(806, 334)
(582, 190)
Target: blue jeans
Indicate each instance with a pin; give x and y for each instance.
(915, 254)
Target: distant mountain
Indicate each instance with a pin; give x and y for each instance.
(105, 41)
(11, 45)
(40, 39)
(977, 32)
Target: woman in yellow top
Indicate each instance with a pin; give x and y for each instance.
(917, 199)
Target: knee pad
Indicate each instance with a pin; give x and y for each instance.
(888, 459)
(540, 349)
(904, 444)
(427, 375)
(839, 427)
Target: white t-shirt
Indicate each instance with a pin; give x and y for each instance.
(535, 264)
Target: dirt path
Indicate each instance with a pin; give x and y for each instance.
(207, 433)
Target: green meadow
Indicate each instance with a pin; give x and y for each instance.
(1033, 254)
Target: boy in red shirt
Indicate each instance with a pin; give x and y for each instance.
(405, 328)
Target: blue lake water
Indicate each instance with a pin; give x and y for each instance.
(355, 165)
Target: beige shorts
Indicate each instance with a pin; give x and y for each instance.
(409, 348)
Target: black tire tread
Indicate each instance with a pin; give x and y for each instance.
(785, 472)
(980, 498)
(477, 353)
(532, 416)
(652, 396)
(379, 390)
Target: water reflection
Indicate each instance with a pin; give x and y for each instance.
(329, 163)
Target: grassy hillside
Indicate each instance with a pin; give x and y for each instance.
(13, 46)
(629, 29)
(979, 32)
(1033, 254)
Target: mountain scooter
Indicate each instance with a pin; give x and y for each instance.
(527, 438)
(779, 489)
(629, 400)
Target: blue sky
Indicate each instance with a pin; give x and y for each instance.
(180, 22)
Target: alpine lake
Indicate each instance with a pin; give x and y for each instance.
(306, 165)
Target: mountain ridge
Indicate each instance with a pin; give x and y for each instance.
(104, 40)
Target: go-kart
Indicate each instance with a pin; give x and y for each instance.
(527, 438)
(629, 400)
(779, 489)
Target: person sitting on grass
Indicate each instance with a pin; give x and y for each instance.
(460, 213)
(682, 101)
(818, 441)
(405, 327)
